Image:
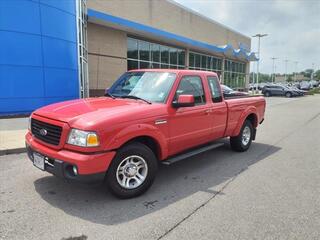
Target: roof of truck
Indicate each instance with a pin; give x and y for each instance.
(173, 71)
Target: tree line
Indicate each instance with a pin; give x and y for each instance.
(263, 77)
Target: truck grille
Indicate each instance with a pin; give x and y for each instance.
(46, 132)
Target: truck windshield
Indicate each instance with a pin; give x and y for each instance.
(151, 86)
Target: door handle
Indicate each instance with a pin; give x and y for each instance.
(208, 111)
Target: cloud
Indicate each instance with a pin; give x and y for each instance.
(293, 27)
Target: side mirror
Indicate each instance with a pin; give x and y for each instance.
(184, 101)
(106, 91)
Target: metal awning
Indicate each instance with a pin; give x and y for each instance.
(161, 35)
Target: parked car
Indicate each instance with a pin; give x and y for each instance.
(253, 86)
(299, 91)
(148, 117)
(278, 90)
(314, 83)
(261, 85)
(229, 92)
(257, 86)
(305, 85)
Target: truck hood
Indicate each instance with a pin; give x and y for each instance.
(89, 111)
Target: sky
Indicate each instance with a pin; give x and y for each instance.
(293, 28)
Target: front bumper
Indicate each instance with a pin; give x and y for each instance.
(90, 167)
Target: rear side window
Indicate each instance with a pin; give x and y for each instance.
(214, 88)
(191, 85)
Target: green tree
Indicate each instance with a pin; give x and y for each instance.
(317, 75)
(307, 73)
(262, 77)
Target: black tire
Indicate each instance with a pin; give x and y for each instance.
(236, 142)
(267, 94)
(288, 94)
(137, 149)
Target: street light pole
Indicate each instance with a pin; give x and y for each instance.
(312, 71)
(296, 68)
(273, 70)
(285, 75)
(253, 77)
(258, 35)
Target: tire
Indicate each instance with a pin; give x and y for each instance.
(127, 168)
(288, 95)
(238, 143)
(267, 94)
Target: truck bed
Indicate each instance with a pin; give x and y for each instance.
(239, 106)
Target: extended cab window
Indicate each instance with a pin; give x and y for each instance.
(215, 89)
(191, 85)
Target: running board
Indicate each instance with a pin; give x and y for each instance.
(191, 153)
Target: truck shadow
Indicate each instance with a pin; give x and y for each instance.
(202, 173)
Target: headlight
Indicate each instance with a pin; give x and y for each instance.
(83, 138)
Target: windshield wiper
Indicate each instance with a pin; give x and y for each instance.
(107, 94)
(135, 97)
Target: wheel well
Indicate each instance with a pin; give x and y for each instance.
(253, 119)
(149, 142)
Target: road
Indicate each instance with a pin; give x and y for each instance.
(270, 192)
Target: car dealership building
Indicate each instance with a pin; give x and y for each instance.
(60, 50)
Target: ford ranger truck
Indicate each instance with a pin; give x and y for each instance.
(146, 117)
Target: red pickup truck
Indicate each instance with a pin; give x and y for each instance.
(146, 117)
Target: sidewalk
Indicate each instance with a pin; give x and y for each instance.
(12, 132)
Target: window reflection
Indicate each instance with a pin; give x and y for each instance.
(143, 54)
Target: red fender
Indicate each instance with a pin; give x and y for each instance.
(140, 130)
(243, 117)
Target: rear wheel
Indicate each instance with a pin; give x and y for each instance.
(132, 171)
(243, 141)
(267, 94)
(288, 95)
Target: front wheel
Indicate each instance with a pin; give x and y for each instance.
(243, 141)
(288, 95)
(132, 171)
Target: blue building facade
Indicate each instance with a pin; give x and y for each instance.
(38, 56)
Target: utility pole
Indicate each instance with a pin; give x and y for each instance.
(253, 76)
(285, 75)
(258, 35)
(273, 78)
(312, 71)
(296, 68)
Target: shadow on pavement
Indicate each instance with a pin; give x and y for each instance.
(173, 183)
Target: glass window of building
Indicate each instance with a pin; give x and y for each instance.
(234, 74)
(143, 54)
(132, 48)
(155, 52)
(144, 51)
(181, 58)
(164, 54)
(173, 56)
(204, 62)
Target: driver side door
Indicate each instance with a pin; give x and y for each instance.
(189, 126)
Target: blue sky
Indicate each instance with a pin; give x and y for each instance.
(293, 27)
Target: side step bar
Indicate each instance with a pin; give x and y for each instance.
(191, 153)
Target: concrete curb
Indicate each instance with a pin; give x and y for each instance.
(12, 151)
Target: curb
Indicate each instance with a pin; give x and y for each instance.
(12, 151)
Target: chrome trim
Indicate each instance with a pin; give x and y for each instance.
(48, 163)
(160, 121)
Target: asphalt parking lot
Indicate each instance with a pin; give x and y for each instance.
(270, 192)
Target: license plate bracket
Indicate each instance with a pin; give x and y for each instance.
(38, 160)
